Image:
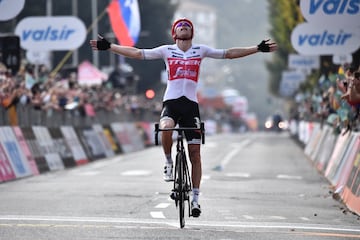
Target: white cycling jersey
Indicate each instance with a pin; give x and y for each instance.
(182, 67)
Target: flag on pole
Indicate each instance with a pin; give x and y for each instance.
(125, 20)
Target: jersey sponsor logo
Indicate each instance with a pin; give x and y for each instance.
(195, 56)
(184, 68)
(176, 54)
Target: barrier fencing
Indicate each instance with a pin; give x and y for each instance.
(28, 151)
(31, 150)
(337, 157)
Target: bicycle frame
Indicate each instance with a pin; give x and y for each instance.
(182, 180)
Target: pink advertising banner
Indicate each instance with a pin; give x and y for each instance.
(26, 150)
(6, 172)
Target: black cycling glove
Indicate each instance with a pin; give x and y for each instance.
(264, 46)
(102, 43)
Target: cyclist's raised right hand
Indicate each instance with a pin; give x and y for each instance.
(100, 44)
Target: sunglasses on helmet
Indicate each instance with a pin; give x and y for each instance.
(181, 24)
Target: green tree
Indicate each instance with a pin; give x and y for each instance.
(284, 15)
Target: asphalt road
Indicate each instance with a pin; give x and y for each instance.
(255, 186)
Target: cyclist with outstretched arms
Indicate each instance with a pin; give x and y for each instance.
(180, 104)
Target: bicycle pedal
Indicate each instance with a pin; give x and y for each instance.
(173, 195)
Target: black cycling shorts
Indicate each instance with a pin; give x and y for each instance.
(185, 113)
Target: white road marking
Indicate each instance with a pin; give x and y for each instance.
(205, 177)
(304, 218)
(290, 177)
(157, 214)
(88, 173)
(248, 217)
(242, 175)
(136, 173)
(277, 217)
(237, 148)
(162, 205)
(221, 224)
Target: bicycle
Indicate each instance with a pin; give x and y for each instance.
(182, 180)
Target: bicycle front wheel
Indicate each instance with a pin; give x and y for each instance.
(181, 178)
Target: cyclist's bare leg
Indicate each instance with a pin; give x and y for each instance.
(166, 137)
(195, 159)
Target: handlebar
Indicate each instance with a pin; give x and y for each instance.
(179, 130)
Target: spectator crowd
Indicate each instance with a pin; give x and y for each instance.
(34, 97)
(334, 101)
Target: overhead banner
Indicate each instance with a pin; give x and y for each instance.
(51, 33)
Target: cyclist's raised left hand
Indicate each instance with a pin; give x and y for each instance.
(267, 46)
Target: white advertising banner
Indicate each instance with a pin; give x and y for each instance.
(74, 143)
(38, 57)
(103, 140)
(346, 12)
(314, 39)
(51, 33)
(50, 152)
(128, 136)
(342, 59)
(303, 62)
(290, 81)
(9, 9)
(92, 143)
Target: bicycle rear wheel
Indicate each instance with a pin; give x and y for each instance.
(181, 194)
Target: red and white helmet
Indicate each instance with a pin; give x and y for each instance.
(173, 33)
